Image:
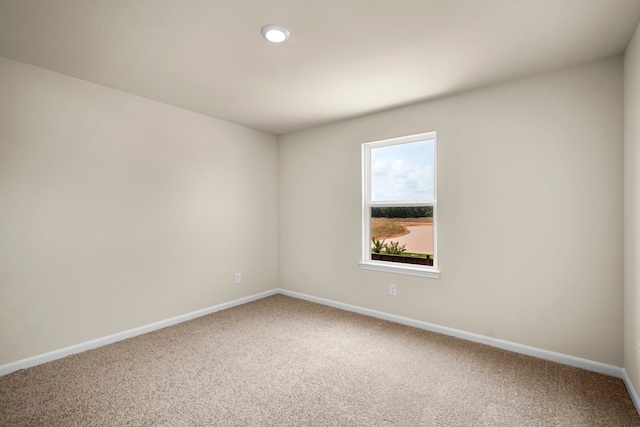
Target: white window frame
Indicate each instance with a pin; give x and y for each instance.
(386, 266)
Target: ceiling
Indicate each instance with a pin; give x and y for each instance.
(345, 57)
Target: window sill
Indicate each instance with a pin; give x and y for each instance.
(401, 269)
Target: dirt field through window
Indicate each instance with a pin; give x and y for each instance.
(416, 233)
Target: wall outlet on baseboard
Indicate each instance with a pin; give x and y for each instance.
(392, 289)
(238, 277)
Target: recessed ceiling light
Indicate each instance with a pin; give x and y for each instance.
(275, 33)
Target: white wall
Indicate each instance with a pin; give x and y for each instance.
(117, 211)
(530, 212)
(632, 209)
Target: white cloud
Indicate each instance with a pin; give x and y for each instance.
(401, 180)
(403, 172)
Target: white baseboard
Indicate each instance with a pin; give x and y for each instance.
(505, 345)
(78, 348)
(564, 359)
(631, 389)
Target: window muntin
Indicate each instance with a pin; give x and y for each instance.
(399, 212)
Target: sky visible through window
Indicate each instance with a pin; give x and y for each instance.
(403, 172)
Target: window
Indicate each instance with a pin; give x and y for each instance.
(399, 205)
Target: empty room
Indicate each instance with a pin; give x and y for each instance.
(304, 212)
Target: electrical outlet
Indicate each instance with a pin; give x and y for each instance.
(392, 289)
(639, 351)
(238, 277)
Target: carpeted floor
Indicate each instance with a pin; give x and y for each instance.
(286, 362)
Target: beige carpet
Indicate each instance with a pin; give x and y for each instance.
(286, 362)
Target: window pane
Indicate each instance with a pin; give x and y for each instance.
(403, 172)
(402, 234)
